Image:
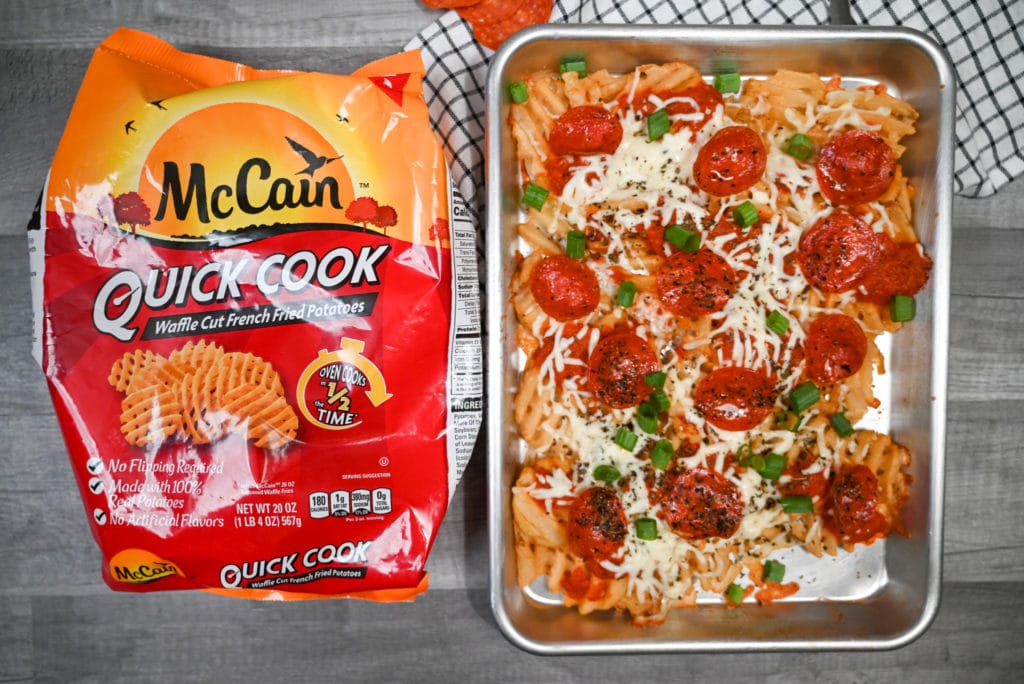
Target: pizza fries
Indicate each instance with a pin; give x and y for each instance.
(706, 267)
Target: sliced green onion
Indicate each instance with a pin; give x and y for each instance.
(647, 417)
(683, 238)
(804, 397)
(723, 64)
(789, 420)
(901, 308)
(744, 454)
(606, 473)
(575, 244)
(661, 454)
(757, 462)
(659, 400)
(841, 424)
(518, 92)
(745, 215)
(728, 82)
(534, 196)
(797, 504)
(626, 439)
(626, 294)
(655, 379)
(774, 571)
(646, 528)
(577, 64)
(773, 466)
(800, 147)
(658, 124)
(734, 593)
(777, 322)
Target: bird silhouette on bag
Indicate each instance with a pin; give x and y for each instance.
(313, 160)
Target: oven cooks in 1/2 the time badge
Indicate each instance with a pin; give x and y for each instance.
(337, 386)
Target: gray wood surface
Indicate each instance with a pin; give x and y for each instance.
(59, 622)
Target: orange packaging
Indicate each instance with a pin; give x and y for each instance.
(257, 312)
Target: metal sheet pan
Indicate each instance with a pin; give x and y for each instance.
(883, 596)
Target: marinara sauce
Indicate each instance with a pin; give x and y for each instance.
(738, 237)
(691, 108)
(577, 350)
(795, 481)
(705, 100)
(902, 268)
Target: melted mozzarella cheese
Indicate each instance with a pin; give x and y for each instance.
(619, 194)
(549, 488)
(640, 173)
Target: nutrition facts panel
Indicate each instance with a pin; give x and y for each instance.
(466, 364)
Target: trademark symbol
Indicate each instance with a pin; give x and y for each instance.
(383, 461)
(363, 184)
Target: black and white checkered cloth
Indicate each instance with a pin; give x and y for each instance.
(983, 39)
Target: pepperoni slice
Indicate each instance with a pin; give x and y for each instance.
(617, 367)
(597, 523)
(448, 4)
(489, 11)
(799, 483)
(586, 129)
(699, 503)
(492, 33)
(901, 269)
(493, 21)
(837, 252)
(855, 167)
(835, 348)
(730, 162)
(695, 283)
(735, 398)
(851, 507)
(565, 288)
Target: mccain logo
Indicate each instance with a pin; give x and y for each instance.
(255, 189)
(139, 566)
(201, 204)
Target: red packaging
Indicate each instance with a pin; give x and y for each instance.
(256, 301)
